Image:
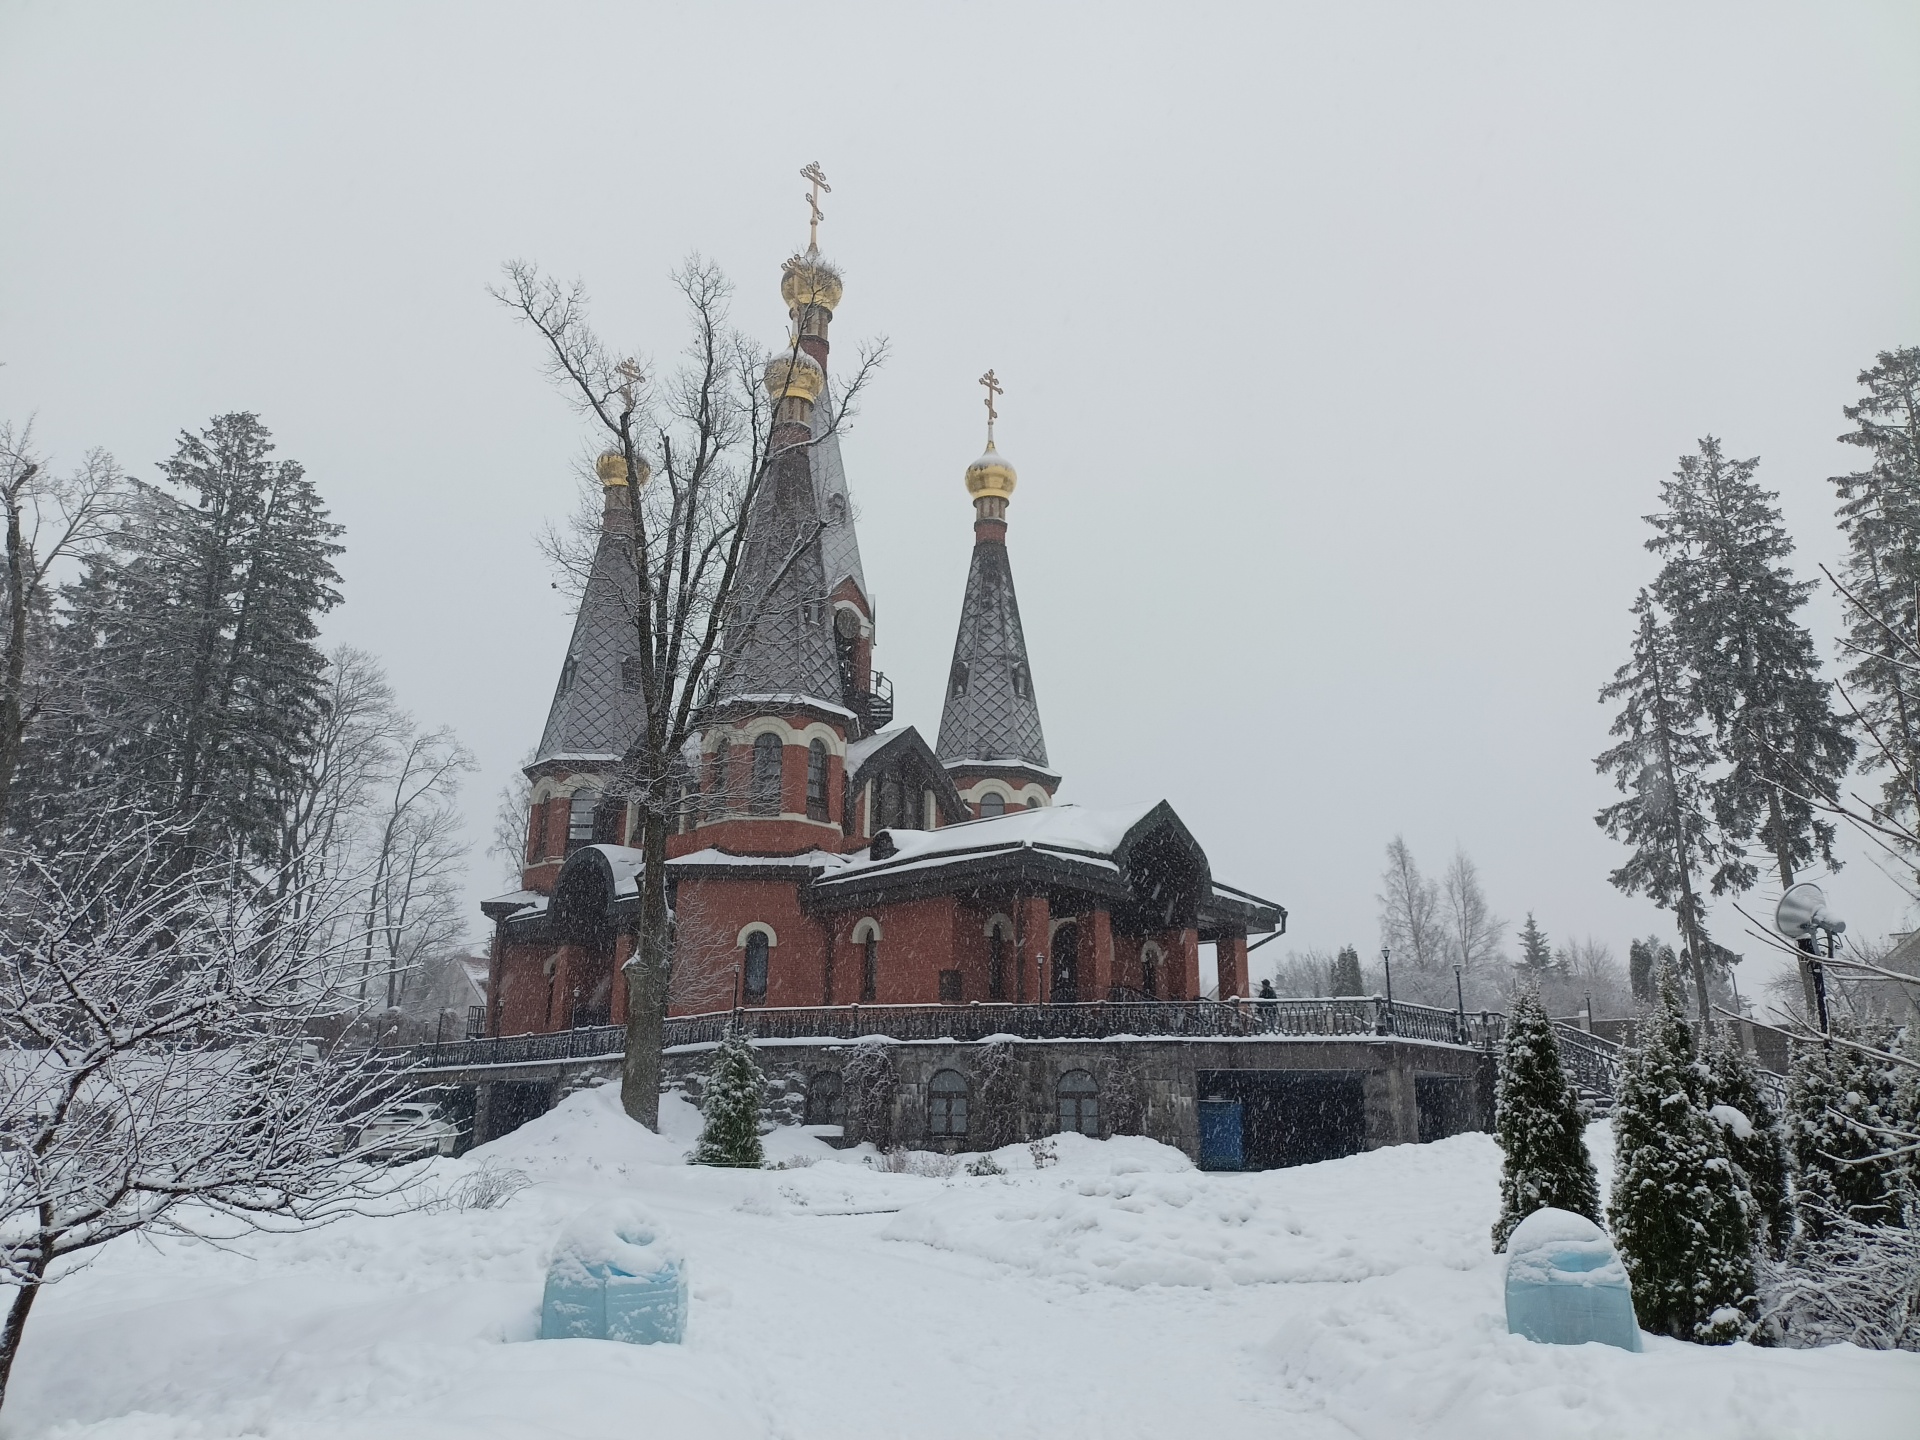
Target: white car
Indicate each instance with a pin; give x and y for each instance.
(407, 1131)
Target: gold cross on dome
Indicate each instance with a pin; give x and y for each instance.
(993, 388)
(812, 173)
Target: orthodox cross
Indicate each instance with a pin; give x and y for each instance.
(812, 173)
(993, 389)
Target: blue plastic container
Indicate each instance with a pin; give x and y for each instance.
(1565, 1284)
(613, 1278)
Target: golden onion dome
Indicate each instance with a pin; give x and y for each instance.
(991, 475)
(809, 280)
(793, 372)
(612, 469)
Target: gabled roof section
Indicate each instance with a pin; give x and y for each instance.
(991, 712)
(594, 717)
(1142, 856)
(905, 751)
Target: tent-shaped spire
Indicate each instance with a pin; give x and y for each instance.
(595, 715)
(991, 714)
(781, 643)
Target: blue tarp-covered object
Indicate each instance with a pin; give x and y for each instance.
(1565, 1284)
(614, 1277)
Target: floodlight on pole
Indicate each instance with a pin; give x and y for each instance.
(1802, 916)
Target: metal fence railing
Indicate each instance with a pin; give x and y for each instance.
(1091, 1020)
(1591, 1061)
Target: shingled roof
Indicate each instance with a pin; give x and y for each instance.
(594, 715)
(783, 644)
(991, 711)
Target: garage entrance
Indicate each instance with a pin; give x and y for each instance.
(1267, 1119)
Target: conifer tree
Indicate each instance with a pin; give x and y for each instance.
(1346, 977)
(1880, 517)
(1840, 1103)
(193, 675)
(1752, 665)
(1539, 1126)
(1679, 1214)
(1536, 953)
(1727, 1078)
(1661, 766)
(731, 1108)
(1643, 958)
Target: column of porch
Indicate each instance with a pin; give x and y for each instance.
(1230, 954)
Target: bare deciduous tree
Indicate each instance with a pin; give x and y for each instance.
(706, 438)
(1410, 916)
(49, 519)
(1473, 931)
(164, 1069)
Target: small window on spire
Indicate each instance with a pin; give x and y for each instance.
(630, 673)
(957, 684)
(1020, 679)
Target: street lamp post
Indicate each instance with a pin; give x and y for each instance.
(1459, 1009)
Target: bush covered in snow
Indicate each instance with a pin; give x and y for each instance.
(731, 1107)
(1679, 1210)
(1539, 1126)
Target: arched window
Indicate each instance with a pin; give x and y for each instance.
(1079, 1103)
(866, 935)
(929, 811)
(717, 791)
(1034, 802)
(580, 818)
(890, 802)
(754, 980)
(826, 1101)
(817, 780)
(947, 1105)
(766, 774)
(997, 963)
(992, 803)
(1150, 961)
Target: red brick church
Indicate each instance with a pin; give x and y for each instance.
(828, 857)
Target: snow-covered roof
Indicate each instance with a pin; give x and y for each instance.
(1077, 832)
(772, 698)
(810, 860)
(860, 750)
(626, 864)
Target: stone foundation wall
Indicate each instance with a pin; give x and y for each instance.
(1146, 1086)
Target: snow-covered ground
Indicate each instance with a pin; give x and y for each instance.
(1114, 1292)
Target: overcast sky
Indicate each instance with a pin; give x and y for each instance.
(1344, 346)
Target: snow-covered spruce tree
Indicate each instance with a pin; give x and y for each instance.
(1661, 766)
(1727, 1078)
(1840, 1104)
(1539, 1126)
(1678, 1212)
(1880, 516)
(1752, 666)
(730, 1105)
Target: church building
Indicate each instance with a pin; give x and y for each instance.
(827, 856)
